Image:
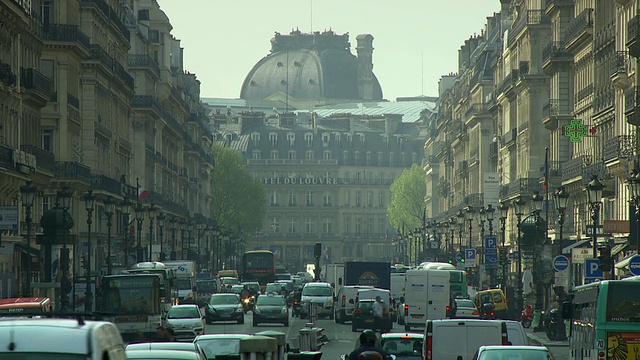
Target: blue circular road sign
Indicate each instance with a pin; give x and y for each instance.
(561, 263)
(458, 257)
(634, 265)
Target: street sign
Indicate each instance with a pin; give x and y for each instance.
(634, 265)
(578, 255)
(592, 269)
(599, 231)
(458, 257)
(561, 263)
(490, 242)
(491, 260)
(470, 257)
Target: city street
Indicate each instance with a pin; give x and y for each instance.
(342, 340)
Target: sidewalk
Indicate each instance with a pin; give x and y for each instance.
(540, 338)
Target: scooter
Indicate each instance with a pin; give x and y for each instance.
(295, 308)
(526, 317)
(553, 325)
(247, 304)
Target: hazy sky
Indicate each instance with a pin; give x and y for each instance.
(415, 41)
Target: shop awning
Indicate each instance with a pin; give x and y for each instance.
(567, 249)
(616, 249)
(625, 262)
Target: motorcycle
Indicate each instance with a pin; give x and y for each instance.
(526, 317)
(295, 308)
(554, 325)
(248, 304)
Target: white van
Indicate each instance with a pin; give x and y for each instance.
(426, 296)
(61, 338)
(460, 339)
(346, 302)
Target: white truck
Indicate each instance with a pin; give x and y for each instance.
(334, 275)
(426, 296)
(186, 277)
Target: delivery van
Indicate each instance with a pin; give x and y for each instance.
(460, 339)
(426, 296)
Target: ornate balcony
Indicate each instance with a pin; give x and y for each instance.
(144, 61)
(633, 36)
(573, 168)
(109, 13)
(632, 105)
(620, 147)
(580, 30)
(36, 84)
(519, 187)
(622, 2)
(555, 55)
(65, 33)
(71, 170)
(44, 159)
(493, 150)
(107, 184)
(7, 76)
(620, 70)
(110, 63)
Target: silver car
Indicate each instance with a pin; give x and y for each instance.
(320, 296)
(186, 321)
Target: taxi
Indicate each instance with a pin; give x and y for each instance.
(271, 308)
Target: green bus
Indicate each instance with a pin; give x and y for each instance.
(458, 281)
(605, 320)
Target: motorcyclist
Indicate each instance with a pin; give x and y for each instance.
(245, 293)
(368, 341)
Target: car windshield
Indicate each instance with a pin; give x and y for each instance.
(273, 288)
(317, 291)
(515, 354)
(224, 300)
(237, 289)
(222, 346)
(207, 286)
(229, 281)
(179, 312)
(465, 304)
(412, 347)
(252, 286)
(270, 300)
(41, 356)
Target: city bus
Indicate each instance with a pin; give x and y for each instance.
(168, 280)
(133, 303)
(458, 281)
(259, 265)
(605, 320)
(25, 306)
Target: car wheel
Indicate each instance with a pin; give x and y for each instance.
(241, 320)
(255, 323)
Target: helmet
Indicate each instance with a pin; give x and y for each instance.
(368, 337)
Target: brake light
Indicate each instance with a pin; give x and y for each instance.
(475, 312)
(406, 309)
(295, 303)
(358, 312)
(344, 300)
(429, 347)
(601, 355)
(493, 314)
(448, 308)
(406, 337)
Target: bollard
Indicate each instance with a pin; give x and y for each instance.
(258, 348)
(313, 339)
(281, 341)
(305, 339)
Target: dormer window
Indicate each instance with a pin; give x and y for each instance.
(257, 154)
(362, 139)
(291, 138)
(326, 155)
(325, 139)
(274, 154)
(292, 155)
(255, 139)
(310, 155)
(308, 138)
(338, 139)
(273, 139)
(350, 139)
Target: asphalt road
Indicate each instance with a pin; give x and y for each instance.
(341, 339)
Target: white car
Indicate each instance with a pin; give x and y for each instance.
(186, 321)
(319, 295)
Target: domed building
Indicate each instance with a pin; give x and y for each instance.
(314, 69)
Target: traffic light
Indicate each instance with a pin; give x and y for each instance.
(317, 250)
(462, 259)
(606, 261)
(502, 256)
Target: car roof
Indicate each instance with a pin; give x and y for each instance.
(514, 347)
(402, 335)
(184, 306)
(163, 354)
(221, 336)
(165, 345)
(323, 284)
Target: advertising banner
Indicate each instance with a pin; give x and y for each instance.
(623, 345)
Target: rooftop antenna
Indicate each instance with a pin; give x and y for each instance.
(422, 76)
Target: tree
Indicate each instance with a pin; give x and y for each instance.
(238, 198)
(407, 199)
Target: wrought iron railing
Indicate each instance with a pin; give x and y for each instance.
(622, 146)
(73, 101)
(144, 60)
(33, 79)
(110, 14)
(580, 23)
(520, 186)
(44, 159)
(573, 167)
(65, 33)
(72, 170)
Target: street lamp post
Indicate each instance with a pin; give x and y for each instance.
(198, 244)
(28, 193)
(139, 218)
(490, 211)
(519, 204)
(482, 218)
(183, 228)
(89, 201)
(561, 197)
(594, 194)
(460, 218)
(173, 255)
(503, 208)
(189, 239)
(125, 205)
(65, 198)
(536, 201)
(452, 228)
(109, 206)
(216, 249)
(633, 182)
(470, 212)
(161, 219)
(152, 214)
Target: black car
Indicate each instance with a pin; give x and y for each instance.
(271, 308)
(363, 317)
(224, 307)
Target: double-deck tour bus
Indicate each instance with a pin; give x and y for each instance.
(458, 282)
(168, 281)
(133, 303)
(25, 306)
(259, 265)
(605, 320)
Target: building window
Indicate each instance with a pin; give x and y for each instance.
(347, 198)
(327, 198)
(358, 227)
(325, 139)
(47, 69)
(255, 139)
(309, 197)
(382, 227)
(292, 155)
(326, 155)
(368, 158)
(362, 142)
(347, 226)
(291, 138)
(358, 198)
(380, 159)
(368, 227)
(46, 12)
(47, 140)
(381, 199)
(274, 154)
(275, 225)
(256, 154)
(274, 198)
(310, 155)
(345, 157)
(326, 226)
(370, 198)
(292, 198)
(292, 225)
(48, 202)
(308, 138)
(273, 138)
(309, 225)
(391, 162)
(356, 158)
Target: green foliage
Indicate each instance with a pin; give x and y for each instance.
(407, 199)
(238, 199)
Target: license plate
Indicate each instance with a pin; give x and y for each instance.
(417, 316)
(370, 320)
(225, 315)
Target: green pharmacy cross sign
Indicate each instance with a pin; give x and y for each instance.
(576, 131)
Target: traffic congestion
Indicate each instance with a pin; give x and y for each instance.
(352, 310)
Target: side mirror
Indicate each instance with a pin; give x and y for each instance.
(344, 357)
(402, 299)
(351, 301)
(339, 281)
(567, 310)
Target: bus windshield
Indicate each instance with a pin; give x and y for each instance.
(184, 284)
(130, 294)
(623, 304)
(259, 261)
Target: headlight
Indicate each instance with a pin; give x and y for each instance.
(257, 310)
(329, 302)
(284, 310)
(239, 309)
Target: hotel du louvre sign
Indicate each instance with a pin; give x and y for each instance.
(300, 181)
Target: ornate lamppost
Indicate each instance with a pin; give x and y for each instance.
(469, 213)
(198, 243)
(536, 201)
(518, 205)
(633, 182)
(561, 197)
(126, 205)
(594, 194)
(109, 207)
(64, 196)
(89, 201)
(482, 218)
(28, 193)
(139, 218)
(161, 219)
(490, 211)
(453, 221)
(503, 208)
(173, 255)
(152, 214)
(461, 218)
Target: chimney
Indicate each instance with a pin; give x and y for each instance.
(341, 120)
(365, 66)
(250, 119)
